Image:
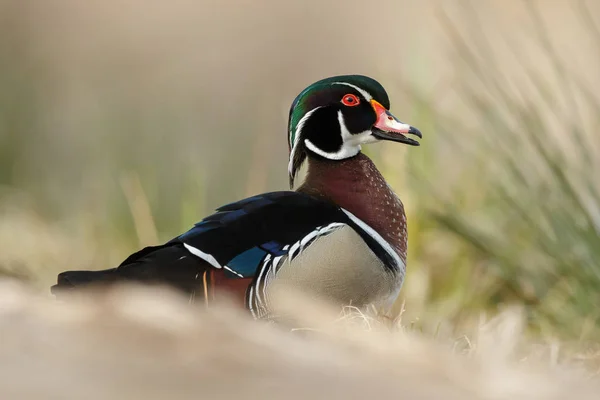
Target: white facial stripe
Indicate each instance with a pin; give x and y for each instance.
(301, 124)
(297, 137)
(364, 93)
(354, 140)
(350, 143)
(344, 152)
(291, 160)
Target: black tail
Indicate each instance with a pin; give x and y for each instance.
(169, 264)
(75, 279)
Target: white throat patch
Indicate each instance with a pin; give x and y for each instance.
(350, 142)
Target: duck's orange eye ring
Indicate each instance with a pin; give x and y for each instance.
(350, 100)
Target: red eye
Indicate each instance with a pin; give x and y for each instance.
(350, 100)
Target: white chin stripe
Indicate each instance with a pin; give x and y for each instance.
(344, 152)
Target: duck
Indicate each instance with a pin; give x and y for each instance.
(340, 235)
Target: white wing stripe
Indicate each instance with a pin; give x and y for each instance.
(205, 256)
(232, 271)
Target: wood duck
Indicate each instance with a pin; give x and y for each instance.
(340, 236)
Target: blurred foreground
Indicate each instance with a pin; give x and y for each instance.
(123, 123)
(141, 343)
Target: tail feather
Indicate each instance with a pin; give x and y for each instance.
(169, 264)
(69, 280)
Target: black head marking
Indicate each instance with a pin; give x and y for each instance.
(320, 123)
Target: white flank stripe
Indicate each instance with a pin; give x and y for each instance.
(261, 275)
(205, 256)
(268, 279)
(293, 249)
(306, 238)
(362, 91)
(276, 262)
(331, 227)
(250, 298)
(302, 242)
(382, 242)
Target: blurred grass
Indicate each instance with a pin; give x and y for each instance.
(99, 156)
(524, 217)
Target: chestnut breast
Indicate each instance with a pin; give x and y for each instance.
(356, 185)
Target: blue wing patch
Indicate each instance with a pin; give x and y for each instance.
(246, 263)
(273, 247)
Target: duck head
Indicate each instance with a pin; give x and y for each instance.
(334, 117)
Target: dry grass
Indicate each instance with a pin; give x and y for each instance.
(133, 343)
